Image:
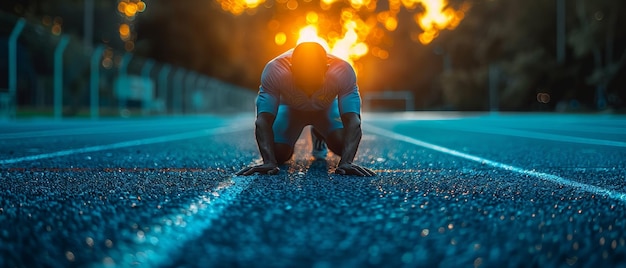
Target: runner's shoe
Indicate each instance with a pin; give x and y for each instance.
(320, 150)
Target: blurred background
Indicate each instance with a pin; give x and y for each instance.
(66, 58)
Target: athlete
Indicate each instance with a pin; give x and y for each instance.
(306, 86)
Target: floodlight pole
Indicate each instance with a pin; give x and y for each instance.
(190, 86)
(123, 79)
(494, 100)
(88, 25)
(94, 82)
(58, 76)
(177, 91)
(163, 74)
(560, 31)
(15, 33)
(147, 94)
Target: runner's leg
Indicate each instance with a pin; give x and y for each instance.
(287, 128)
(335, 141)
(329, 125)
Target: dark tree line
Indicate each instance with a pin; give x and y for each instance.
(506, 47)
(519, 39)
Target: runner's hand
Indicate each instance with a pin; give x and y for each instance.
(352, 169)
(269, 169)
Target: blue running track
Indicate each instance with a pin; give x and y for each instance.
(453, 190)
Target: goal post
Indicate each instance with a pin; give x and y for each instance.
(389, 97)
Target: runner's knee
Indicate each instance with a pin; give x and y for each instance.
(283, 152)
(334, 141)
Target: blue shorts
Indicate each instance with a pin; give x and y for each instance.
(289, 122)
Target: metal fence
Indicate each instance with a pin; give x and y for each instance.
(65, 78)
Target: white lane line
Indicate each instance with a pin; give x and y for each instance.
(70, 132)
(540, 175)
(112, 128)
(578, 128)
(73, 132)
(535, 135)
(161, 139)
(154, 248)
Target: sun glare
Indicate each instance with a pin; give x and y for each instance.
(361, 23)
(309, 34)
(349, 47)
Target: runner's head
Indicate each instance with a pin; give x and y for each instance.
(309, 64)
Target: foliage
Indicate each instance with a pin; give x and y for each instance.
(516, 38)
(520, 38)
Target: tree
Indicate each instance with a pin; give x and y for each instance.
(519, 38)
(593, 39)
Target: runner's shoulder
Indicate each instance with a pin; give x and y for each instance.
(340, 70)
(276, 71)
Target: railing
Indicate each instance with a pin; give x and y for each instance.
(404, 96)
(112, 83)
(7, 102)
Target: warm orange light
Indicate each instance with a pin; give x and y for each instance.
(124, 31)
(362, 26)
(56, 29)
(328, 2)
(380, 53)
(357, 3)
(292, 4)
(391, 23)
(273, 25)
(312, 17)
(427, 37)
(141, 6)
(280, 38)
(253, 3)
(436, 17)
(236, 7)
(130, 9)
(121, 7)
(349, 46)
(309, 34)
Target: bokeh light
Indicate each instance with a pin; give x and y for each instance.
(312, 17)
(362, 23)
(543, 97)
(309, 34)
(280, 38)
(237, 7)
(57, 26)
(129, 9)
(124, 31)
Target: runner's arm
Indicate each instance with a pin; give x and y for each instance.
(265, 137)
(350, 110)
(352, 136)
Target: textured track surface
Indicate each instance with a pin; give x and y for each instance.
(453, 190)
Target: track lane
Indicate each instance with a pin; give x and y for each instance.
(425, 207)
